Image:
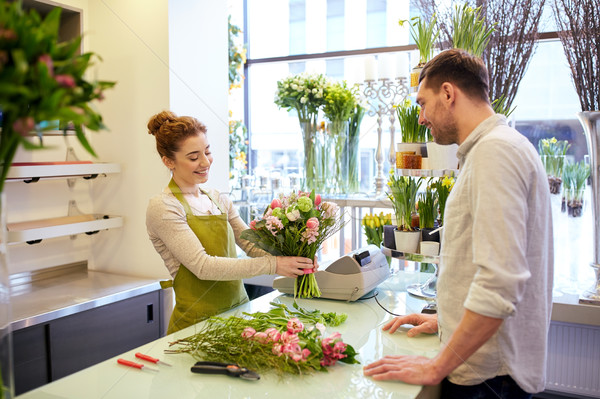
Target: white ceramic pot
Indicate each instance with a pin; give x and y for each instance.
(407, 241)
(442, 157)
(430, 248)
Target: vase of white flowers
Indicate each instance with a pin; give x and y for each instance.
(304, 94)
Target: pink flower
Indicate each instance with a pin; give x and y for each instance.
(312, 223)
(274, 224)
(294, 325)
(329, 209)
(261, 337)
(24, 125)
(47, 60)
(65, 80)
(253, 224)
(275, 203)
(289, 338)
(277, 349)
(317, 199)
(310, 236)
(333, 349)
(248, 332)
(272, 334)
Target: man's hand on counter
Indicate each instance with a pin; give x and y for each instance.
(417, 370)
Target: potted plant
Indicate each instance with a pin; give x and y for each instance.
(42, 86)
(413, 135)
(425, 35)
(427, 207)
(575, 178)
(403, 194)
(469, 30)
(552, 153)
(442, 186)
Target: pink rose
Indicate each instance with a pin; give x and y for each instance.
(317, 199)
(312, 223)
(275, 204)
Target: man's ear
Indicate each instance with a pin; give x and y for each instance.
(448, 92)
(168, 162)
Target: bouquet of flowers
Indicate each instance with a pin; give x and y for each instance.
(303, 92)
(296, 225)
(281, 340)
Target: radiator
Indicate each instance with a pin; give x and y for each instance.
(573, 359)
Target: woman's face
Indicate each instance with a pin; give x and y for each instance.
(192, 161)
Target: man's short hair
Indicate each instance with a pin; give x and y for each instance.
(460, 68)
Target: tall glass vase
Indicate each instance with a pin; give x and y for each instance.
(591, 127)
(311, 155)
(6, 375)
(338, 131)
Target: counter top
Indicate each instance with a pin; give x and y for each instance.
(68, 293)
(362, 330)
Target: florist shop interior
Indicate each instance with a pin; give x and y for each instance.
(317, 139)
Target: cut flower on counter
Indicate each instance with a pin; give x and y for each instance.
(281, 340)
(296, 225)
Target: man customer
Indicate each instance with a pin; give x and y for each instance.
(494, 290)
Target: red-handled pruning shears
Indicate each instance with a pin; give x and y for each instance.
(140, 366)
(150, 359)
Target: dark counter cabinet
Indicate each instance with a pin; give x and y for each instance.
(52, 350)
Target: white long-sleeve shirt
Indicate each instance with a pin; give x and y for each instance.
(497, 255)
(177, 244)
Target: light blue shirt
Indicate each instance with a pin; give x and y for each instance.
(497, 255)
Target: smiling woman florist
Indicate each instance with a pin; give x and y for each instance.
(195, 230)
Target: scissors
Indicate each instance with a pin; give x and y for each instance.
(229, 369)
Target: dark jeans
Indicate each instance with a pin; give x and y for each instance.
(501, 387)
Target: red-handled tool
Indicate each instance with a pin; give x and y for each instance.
(135, 365)
(150, 359)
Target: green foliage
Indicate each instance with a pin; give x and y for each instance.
(237, 56)
(42, 80)
(469, 31)
(408, 119)
(403, 194)
(500, 106)
(575, 176)
(552, 153)
(443, 187)
(340, 101)
(427, 207)
(425, 35)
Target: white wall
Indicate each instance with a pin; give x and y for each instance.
(133, 39)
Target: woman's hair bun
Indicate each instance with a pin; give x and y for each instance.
(158, 120)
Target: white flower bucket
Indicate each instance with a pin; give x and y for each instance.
(407, 241)
(442, 157)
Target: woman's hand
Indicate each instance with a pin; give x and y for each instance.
(424, 323)
(294, 266)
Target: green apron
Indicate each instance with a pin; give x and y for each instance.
(196, 299)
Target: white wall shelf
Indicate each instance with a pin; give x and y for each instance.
(34, 231)
(34, 171)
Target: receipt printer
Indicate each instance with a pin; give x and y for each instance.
(347, 278)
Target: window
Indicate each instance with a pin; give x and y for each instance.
(297, 35)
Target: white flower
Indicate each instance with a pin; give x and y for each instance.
(315, 91)
(293, 215)
(303, 100)
(294, 86)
